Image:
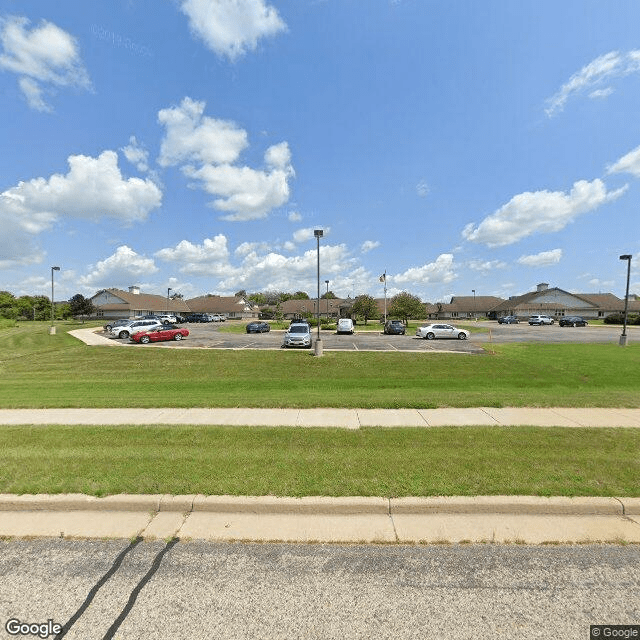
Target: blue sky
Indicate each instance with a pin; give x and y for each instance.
(196, 144)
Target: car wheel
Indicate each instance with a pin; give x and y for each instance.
(462, 336)
(144, 339)
(177, 337)
(430, 336)
(123, 334)
(108, 327)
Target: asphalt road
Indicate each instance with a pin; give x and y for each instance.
(123, 589)
(210, 336)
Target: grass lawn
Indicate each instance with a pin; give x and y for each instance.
(40, 370)
(296, 462)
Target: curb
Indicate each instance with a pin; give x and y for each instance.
(271, 505)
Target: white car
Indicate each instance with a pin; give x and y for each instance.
(345, 325)
(167, 318)
(539, 320)
(433, 331)
(127, 330)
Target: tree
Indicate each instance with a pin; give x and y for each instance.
(405, 306)
(300, 295)
(329, 295)
(241, 294)
(366, 307)
(81, 306)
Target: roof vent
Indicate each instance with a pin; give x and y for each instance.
(543, 286)
(135, 290)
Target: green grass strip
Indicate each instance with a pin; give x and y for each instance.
(39, 370)
(305, 462)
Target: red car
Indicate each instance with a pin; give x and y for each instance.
(166, 332)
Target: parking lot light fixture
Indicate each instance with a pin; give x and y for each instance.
(318, 233)
(623, 337)
(53, 329)
(168, 292)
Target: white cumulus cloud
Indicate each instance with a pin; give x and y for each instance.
(441, 271)
(368, 245)
(231, 28)
(92, 189)
(43, 57)
(192, 137)
(136, 154)
(539, 212)
(209, 258)
(542, 259)
(122, 269)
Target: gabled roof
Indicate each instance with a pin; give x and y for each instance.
(142, 301)
(473, 303)
(220, 304)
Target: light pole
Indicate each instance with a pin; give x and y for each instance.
(168, 291)
(318, 233)
(327, 283)
(623, 337)
(474, 302)
(383, 278)
(53, 329)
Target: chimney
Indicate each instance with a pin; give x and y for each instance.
(135, 290)
(543, 286)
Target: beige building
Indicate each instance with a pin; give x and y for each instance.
(233, 307)
(115, 303)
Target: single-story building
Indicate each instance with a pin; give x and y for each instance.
(463, 308)
(115, 303)
(233, 307)
(556, 302)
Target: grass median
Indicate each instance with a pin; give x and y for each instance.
(39, 370)
(306, 462)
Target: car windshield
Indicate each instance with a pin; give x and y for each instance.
(298, 329)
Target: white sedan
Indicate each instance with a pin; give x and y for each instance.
(433, 331)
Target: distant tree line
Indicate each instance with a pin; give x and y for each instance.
(39, 307)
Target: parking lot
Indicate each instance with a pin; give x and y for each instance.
(210, 336)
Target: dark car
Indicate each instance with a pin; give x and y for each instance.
(258, 327)
(395, 327)
(572, 321)
(508, 320)
(197, 317)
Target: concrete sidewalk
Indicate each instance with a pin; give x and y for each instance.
(327, 417)
(497, 519)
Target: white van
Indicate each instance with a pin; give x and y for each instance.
(345, 325)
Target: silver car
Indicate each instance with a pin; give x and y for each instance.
(297, 335)
(433, 331)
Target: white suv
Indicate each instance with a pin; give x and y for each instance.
(298, 335)
(167, 318)
(541, 320)
(127, 330)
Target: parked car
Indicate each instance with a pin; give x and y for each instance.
(116, 323)
(298, 335)
(395, 327)
(258, 327)
(167, 318)
(197, 317)
(433, 331)
(540, 320)
(134, 326)
(217, 317)
(159, 334)
(572, 321)
(345, 325)
(508, 320)
(299, 321)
